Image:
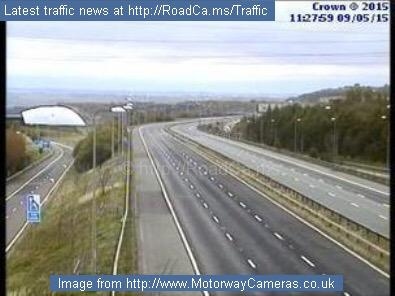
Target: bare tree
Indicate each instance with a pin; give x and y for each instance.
(104, 178)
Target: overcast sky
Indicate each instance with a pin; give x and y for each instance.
(279, 57)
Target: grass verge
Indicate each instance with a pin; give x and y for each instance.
(61, 243)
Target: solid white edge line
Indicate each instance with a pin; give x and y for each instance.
(125, 215)
(35, 163)
(172, 212)
(305, 222)
(35, 176)
(19, 233)
(306, 167)
(63, 145)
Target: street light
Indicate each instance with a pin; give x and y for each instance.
(333, 119)
(128, 107)
(118, 110)
(387, 160)
(296, 121)
(273, 121)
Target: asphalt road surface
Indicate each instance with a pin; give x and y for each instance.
(360, 200)
(38, 180)
(234, 230)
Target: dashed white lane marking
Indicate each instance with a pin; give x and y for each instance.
(283, 174)
(346, 294)
(305, 174)
(355, 205)
(212, 178)
(361, 195)
(14, 210)
(21, 202)
(307, 261)
(197, 194)
(242, 205)
(258, 218)
(229, 236)
(339, 187)
(215, 219)
(386, 205)
(230, 194)
(186, 180)
(331, 194)
(177, 168)
(199, 168)
(6, 217)
(383, 217)
(191, 186)
(205, 173)
(311, 186)
(181, 173)
(296, 179)
(278, 236)
(220, 186)
(251, 263)
(205, 205)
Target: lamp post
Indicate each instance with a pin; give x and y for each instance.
(387, 158)
(118, 110)
(129, 109)
(262, 127)
(333, 119)
(113, 110)
(296, 121)
(273, 122)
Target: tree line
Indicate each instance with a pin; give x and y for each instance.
(355, 127)
(16, 153)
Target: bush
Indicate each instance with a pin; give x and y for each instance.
(16, 155)
(83, 152)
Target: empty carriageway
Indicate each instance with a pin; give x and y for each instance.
(235, 230)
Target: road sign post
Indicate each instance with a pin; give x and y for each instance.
(33, 208)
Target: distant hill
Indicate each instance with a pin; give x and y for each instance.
(328, 94)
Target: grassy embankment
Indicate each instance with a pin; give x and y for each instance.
(61, 243)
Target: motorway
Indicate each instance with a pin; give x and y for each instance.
(362, 201)
(234, 230)
(39, 179)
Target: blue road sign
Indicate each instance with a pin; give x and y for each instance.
(33, 209)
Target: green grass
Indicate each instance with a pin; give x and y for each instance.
(64, 235)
